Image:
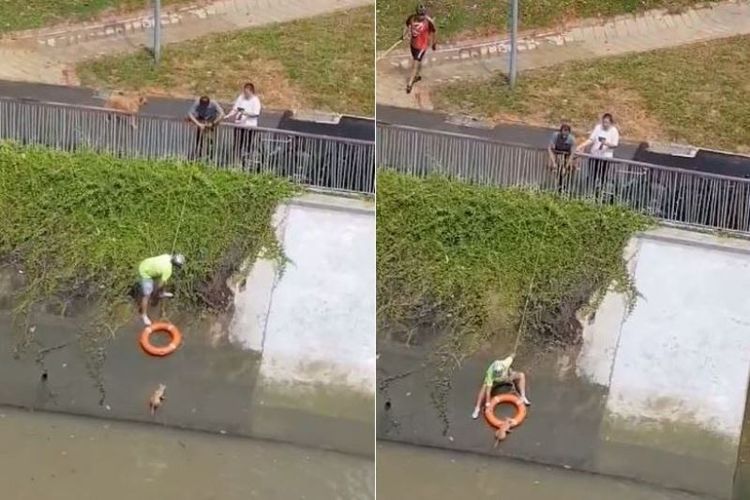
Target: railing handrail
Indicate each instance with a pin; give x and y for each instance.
(679, 196)
(102, 109)
(528, 147)
(334, 164)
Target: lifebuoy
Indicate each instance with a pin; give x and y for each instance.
(175, 339)
(515, 421)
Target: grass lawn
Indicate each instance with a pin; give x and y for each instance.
(695, 94)
(466, 18)
(24, 14)
(323, 63)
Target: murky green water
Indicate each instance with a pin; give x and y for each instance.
(55, 457)
(409, 473)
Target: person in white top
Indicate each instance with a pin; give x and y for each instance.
(601, 145)
(244, 115)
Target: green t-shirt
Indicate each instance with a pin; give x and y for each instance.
(156, 268)
(498, 371)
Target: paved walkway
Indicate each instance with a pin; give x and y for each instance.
(31, 59)
(588, 40)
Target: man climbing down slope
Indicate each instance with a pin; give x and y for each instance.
(422, 32)
(154, 273)
(500, 372)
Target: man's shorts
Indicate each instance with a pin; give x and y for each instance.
(506, 380)
(418, 54)
(147, 287)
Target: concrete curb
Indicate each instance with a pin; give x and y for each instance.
(637, 24)
(61, 35)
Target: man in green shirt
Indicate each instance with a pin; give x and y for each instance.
(500, 372)
(154, 273)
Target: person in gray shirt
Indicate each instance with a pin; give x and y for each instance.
(206, 114)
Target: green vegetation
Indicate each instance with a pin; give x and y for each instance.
(77, 225)
(471, 18)
(322, 63)
(459, 259)
(25, 14)
(705, 106)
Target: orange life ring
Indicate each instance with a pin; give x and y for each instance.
(175, 339)
(515, 421)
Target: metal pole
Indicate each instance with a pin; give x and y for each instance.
(157, 31)
(513, 43)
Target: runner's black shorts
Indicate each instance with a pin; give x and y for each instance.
(418, 54)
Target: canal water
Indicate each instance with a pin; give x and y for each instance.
(47, 456)
(409, 473)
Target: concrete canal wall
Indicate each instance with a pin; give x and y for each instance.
(313, 319)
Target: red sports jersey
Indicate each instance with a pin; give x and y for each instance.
(420, 32)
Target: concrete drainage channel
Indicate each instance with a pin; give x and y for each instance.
(627, 402)
(293, 362)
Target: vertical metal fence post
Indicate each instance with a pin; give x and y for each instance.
(157, 31)
(513, 43)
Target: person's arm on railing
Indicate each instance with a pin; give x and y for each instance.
(551, 151)
(192, 117)
(570, 162)
(219, 114)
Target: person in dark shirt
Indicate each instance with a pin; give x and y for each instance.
(206, 114)
(561, 147)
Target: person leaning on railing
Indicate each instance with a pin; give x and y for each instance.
(206, 115)
(560, 149)
(602, 143)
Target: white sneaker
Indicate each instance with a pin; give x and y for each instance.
(475, 414)
(166, 295)
(526, 401)
(146, 320)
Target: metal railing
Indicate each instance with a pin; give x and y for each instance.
(323, 162)
(681, 197)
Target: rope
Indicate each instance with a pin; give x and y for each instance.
(390, 49)
(522, 323)
(182, 213)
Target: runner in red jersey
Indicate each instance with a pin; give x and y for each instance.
(422, 33)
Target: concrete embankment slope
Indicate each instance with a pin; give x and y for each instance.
(656, 393)
(294, 361)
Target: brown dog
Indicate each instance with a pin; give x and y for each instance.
(157, 398)
(502, 432)
(128, 104)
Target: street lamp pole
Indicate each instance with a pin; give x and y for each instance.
(157, 31)
(513, 69)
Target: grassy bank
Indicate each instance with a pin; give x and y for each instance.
(77, 225)
(705, 106)
(321, 63)
(461, 259)
(470, 18)
(19, 14)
